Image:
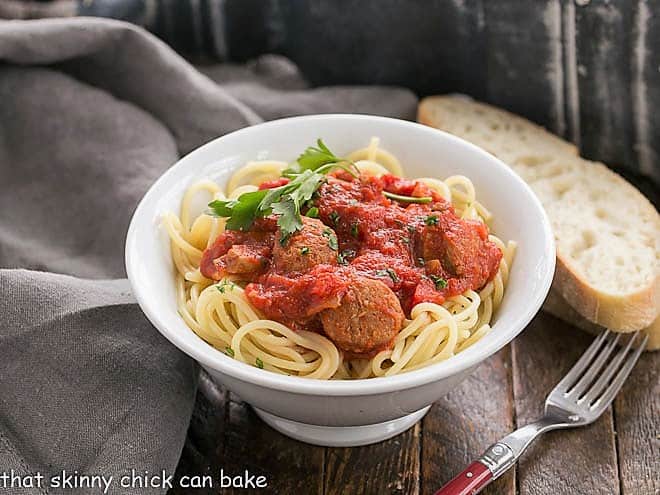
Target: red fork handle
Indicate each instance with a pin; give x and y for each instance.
(472, 480)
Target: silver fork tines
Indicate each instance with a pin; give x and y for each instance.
(595, 391)
(577, 400)
(592, 371)
(590, 386)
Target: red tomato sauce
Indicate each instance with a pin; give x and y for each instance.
(422, 252)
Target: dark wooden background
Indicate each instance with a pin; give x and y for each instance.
(619, 454)
(588, 70)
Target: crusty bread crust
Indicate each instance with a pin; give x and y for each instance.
(628, 313)
(625, 312)
(557, 306)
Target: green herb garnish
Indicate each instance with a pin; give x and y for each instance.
(407, 199)
(304, 250)
(285, 201)
(431, 220)
(354, 230)
(313, 212)
(222, 286)
(313, 158)
(388, 272)
(259, 364)
(319, 159)
(332, 239)
(334, 217)
(440, 283)
(342, 257)
(229, 351)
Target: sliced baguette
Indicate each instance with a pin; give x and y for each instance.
(557, 306)
(607, 232)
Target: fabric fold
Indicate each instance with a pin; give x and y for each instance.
(92, 111)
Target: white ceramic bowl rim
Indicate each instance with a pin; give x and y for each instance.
(215, 359)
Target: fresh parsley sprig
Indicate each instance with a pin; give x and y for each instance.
(312, 159)
(286, 201)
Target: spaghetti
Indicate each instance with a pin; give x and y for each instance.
(220, 313)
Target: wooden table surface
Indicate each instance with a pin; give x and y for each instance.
(619, 454)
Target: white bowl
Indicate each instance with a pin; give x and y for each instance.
(357, 412)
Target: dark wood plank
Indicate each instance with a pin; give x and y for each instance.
(567, 462)
(637, 419)
(524, 59)
(463, 424)
(603, 41)
(291, 467)
(645, 90)
(383, 468)
(226, 434)
(430, 47)
(570, 70)
(203, 451)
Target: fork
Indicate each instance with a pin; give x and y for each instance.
(577, 400)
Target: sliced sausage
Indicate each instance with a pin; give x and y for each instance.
(313, 245)
(367, 320)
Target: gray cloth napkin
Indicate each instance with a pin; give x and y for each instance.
(91, 113)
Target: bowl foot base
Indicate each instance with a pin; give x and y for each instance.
(341, 436)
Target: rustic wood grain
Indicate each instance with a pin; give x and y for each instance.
(637, 420)
(645, 90)
(203, 451)
(524, 59)
(463, 424)
(390, 467)
(384, 43)
(291, 467)
(568, 462)
(604, 77)
(569, 69)
(226, 434)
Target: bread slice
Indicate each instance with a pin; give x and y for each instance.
(557, 306)
(607, 232)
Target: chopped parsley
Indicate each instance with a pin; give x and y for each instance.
(407, 199)
(222, 286)
(440, 283)
(332, 239)
(304, 250)
(229, 351)
(334, 217)
(388, 272)
(313, 212)
(354, 230)
(259, 364)
(431, 220)
(342, 257)
(284, 238)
